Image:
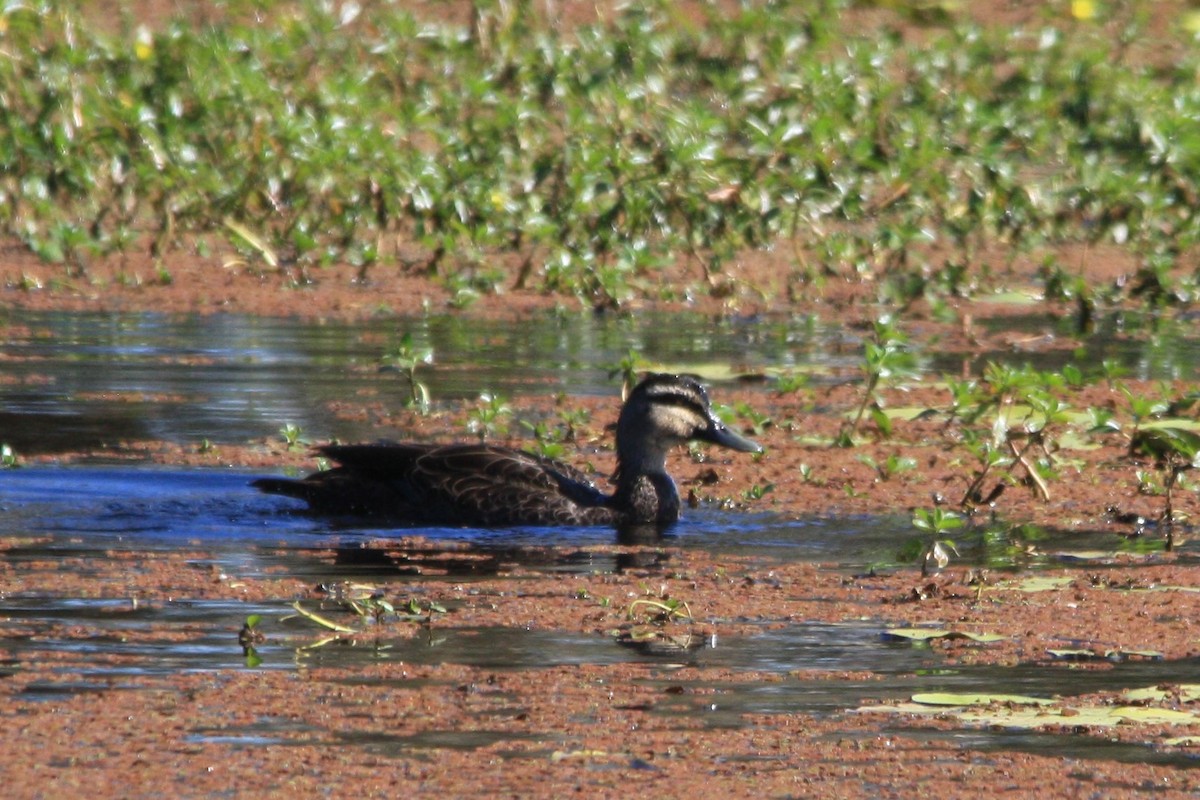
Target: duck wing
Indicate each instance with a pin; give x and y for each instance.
(487, 485)
(464, 484)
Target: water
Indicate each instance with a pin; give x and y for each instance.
(71, 382)
(79, 381)
(74, 381)
(74, 515)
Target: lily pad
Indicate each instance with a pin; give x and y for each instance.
(1093, 556)
(1031, 713)
(1183, 741)
(1066, 654)
(1014, 297)
(977, 699)
(926, 634)
(1115, 654)
(1123, 654)
(1038, 583)
(1185, 692)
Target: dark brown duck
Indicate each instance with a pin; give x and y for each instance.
(487, 486)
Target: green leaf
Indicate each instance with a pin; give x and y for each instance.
(881, 420)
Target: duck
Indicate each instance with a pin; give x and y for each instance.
(483, 485)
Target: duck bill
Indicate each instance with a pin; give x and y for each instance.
(719, 434)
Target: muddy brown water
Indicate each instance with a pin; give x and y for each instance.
(79, 514)
(78, 381)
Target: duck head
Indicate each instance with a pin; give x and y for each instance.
(664, 411)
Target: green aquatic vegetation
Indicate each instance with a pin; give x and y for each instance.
(572, 420)
(546, 441)
(925, 635)
(405, 357)
(994, 545)
(892, 466)
(368, 603)
(250, 635)
(488, 417)
(293, 436)
(629, 369)
(551, 436)
(321, 621)
(809, 477)
(416, 611)
(1174, 451)
(757, 492)
(1023, 712)
(1143, 407)
(658, 611)
(756, 421)
(584, 159)
(936, 523)
(1115, 654)
(792, 382)
(887, 359)
(1010, 418)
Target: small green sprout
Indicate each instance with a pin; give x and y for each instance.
(405, 358)
(1174, 451)
(936, 522)
(887, 358)
(487, 418)
(249, 636)
(757, 492)
(292, 436)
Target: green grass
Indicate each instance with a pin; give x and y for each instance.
(581, 161)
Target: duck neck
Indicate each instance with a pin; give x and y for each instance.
(645, 492)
